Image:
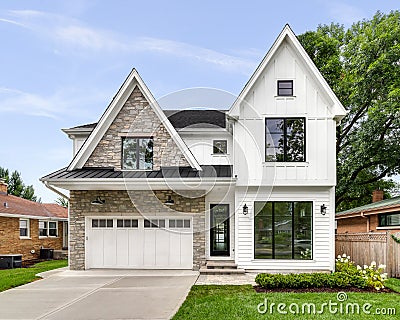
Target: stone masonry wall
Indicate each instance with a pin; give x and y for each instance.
(10, 242)
(136, 118)
(134, 203)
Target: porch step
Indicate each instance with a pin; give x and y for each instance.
(218, 271)
(221, 264)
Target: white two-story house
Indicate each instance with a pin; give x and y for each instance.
(254, 184)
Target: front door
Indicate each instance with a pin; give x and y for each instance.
(219, 230)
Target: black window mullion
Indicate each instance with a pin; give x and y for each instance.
(137, 152)
(273, 230)
(293, 230)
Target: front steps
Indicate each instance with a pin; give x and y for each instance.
(218, 267)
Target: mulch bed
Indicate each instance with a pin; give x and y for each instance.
(350, 289)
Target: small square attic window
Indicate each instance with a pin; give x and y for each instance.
(285, 87)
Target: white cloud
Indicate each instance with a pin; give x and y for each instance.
(65, 102)
(74, 37)
(344, 13)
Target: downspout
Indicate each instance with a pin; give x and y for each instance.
(46, 183)
(363, 216)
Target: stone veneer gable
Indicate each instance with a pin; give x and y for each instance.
(136, 118)
(120, 203)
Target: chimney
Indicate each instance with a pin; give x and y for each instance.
(3, 186)
(377, 195)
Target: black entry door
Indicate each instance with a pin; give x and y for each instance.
(219, 232)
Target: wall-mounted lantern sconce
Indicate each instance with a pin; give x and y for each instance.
(323, 209)
(245, 209)
(169, 201)
(98, 201)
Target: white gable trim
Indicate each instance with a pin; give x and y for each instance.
(112, 111)
(338, 109)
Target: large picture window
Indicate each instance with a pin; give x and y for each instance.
(283, 230)
(137, 153)
(285, 139)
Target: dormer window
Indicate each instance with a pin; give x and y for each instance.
(137, 153)
(285, 87)
(220, 146)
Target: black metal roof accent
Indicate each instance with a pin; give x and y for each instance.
(209, 171)
(186, 118)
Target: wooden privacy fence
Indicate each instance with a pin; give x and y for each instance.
(363, 248)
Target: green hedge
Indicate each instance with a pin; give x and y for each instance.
(310, 280)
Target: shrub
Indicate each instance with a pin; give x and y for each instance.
(310, 280)
(344, 264)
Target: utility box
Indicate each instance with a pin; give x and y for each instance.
(10, 261)
(46, 253)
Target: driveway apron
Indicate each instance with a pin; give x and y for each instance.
(100, 294)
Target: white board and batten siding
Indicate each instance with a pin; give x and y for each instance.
(323, 233)
(310, 101)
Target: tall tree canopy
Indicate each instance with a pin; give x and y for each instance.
(362, 65)
(16, 186)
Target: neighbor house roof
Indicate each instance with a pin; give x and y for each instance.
(15, 206)
(388, 205)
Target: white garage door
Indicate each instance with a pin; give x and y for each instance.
(159, 243)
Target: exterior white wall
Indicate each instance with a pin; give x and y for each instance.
(323, 237)
(200, 144)
(77, 144)
(309, 101)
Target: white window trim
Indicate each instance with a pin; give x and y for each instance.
(28, 228)
(48, 229)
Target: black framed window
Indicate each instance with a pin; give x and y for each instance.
(285, 87)
(220, 147)
(283, 230)
(137, 153)
(285, 139)
(389, 220)
(154, 223)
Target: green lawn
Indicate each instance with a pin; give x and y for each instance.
(240, 302)
(11, 278)
(393, 284)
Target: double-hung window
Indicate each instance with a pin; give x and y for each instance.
(137, 153)
(48, 229)
(24, 228)
(285, 139)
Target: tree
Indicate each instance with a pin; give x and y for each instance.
(362, 65)
(62, 202)
(16, 186)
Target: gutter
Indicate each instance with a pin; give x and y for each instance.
(46, 183)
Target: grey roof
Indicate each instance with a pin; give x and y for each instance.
(185, 118)
(209, 171)
(384, 204)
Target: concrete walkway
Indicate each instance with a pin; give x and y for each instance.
(234, 279)
(99, 294)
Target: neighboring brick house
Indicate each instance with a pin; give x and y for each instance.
(253, 186)
(27, 226)
(381, 215)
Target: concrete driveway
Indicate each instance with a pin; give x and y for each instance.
(99, 294)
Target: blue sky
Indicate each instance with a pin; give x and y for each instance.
(63, 61)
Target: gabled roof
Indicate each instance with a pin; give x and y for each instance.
(112, 111)
(287, 33)
(373, 208)
(14, 206)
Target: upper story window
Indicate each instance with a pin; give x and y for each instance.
(24, 228)
(285, 139)
(137, 153)
(220, 146)
(285, 87)
(389, 220)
